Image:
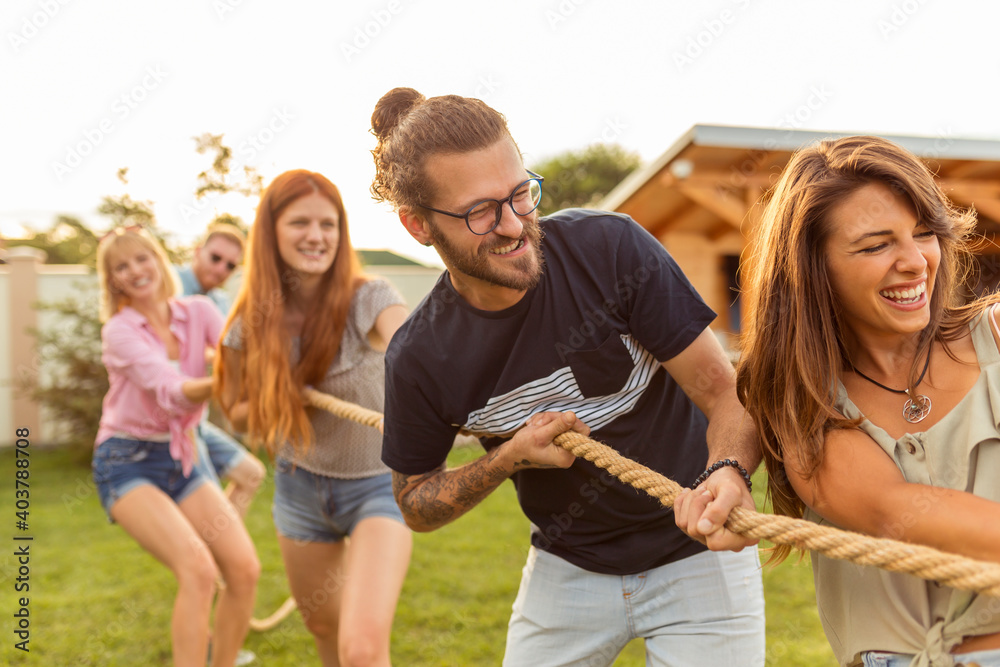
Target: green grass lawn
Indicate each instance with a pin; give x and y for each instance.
(97, 599)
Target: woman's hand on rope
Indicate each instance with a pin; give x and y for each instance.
(532, 446)
(702, 513)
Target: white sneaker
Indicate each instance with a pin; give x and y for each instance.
(245, 657)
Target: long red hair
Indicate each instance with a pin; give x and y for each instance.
(271, 384)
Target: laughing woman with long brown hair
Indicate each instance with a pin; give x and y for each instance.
(876, 393)
(306, 316)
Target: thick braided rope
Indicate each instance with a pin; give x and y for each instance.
(924, 562)
(265, 624)
(342, 408)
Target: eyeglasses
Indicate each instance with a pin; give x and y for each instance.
(484, 216)
(218, 258)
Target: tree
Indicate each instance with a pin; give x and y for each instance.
(219, 179)
(75, 381)
(125, 211)
(582, 178)
(68, 241)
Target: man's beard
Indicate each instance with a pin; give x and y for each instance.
(522, 273)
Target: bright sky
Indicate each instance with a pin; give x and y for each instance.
(89, 87)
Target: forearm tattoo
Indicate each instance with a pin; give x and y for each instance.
(441, 496)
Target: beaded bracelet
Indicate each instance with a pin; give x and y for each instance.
(722, 464)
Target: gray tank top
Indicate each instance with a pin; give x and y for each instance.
(868, 609)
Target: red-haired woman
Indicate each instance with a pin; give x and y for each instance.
(305, 315)
(153, 346)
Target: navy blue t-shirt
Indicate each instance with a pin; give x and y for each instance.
(610, 307)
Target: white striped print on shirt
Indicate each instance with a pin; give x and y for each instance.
(559, 392)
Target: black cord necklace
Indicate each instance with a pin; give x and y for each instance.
(916, 407)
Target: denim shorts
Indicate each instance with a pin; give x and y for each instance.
(218, 452)
(990, 658)
(120, 465)
(315, 508)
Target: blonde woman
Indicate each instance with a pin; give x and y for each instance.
(153, 346)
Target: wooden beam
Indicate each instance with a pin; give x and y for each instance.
(966, 169)
(659, 225)
(970, 190)
(985, 206)
(715, 199)
(728, 178)
(680, 218)
(719, 231)
(988, 207)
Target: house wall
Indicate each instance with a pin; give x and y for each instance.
(702, 261)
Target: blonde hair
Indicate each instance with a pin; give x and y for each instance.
(121, 240)
(227, 231)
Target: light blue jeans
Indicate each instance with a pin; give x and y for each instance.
(989, 658)
(703, 611)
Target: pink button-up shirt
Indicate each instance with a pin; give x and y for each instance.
(145, 397)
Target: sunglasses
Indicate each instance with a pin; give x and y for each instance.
(217, 258)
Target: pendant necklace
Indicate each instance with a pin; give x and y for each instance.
(916, 407)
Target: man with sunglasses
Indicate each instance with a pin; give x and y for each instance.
(215, 258)
(220, 456)
(579, 320)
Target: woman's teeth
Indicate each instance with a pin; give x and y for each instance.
(907, 295)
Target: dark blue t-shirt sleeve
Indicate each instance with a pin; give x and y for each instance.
(665, 313)
(415, 440)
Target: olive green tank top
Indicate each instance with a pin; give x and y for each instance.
(864, 608)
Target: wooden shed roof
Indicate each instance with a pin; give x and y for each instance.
(711, 178)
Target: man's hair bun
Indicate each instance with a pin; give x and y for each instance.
(391, 109)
